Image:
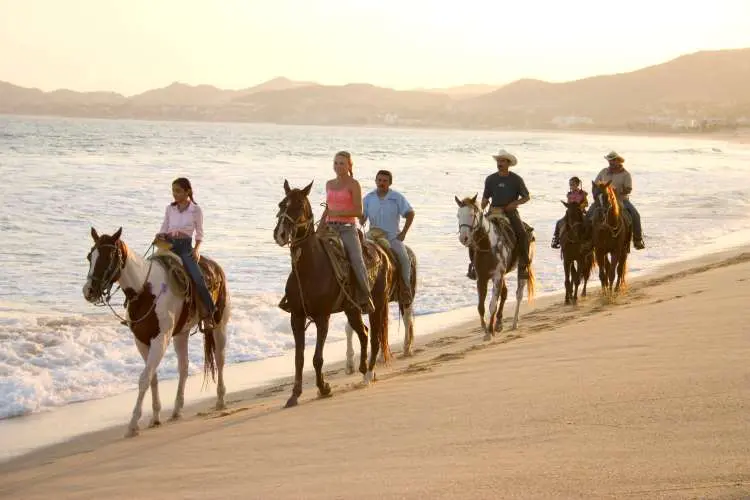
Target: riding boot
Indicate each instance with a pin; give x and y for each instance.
(471, 273)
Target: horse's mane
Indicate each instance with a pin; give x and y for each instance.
(470, 202)
(612, 197)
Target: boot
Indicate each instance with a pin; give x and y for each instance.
(471, 273)
(555, 241)
(638, 243)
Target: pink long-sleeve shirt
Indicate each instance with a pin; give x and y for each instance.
(183, 223)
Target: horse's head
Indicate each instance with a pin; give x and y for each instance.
(468, 214)
(574, 212)
(294, 215)
(607, 196)
(106, 260)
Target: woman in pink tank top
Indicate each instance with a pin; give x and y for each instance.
(344, 207)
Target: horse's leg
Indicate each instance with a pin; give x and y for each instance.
(519, 298)
(601, 259)
(220, 344)
(349, 348)
(482, 294)
(180, 343)
(568, 286)
(298, 329)
(408, 318)
(588, 263)
(355, 324)
(621, 267)
(155, 401)
(321, 322)
(497, 284)
(153, 358)
(612, 272)
(576, 266)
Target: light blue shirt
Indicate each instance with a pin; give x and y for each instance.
(386, 213)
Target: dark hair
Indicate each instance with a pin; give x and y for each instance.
(385, 172)
(184, 183)
(576, 180)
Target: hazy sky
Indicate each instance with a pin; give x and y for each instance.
(133, 45)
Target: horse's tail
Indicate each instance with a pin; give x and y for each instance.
(531, 283)
(221, 317)
(209, 361)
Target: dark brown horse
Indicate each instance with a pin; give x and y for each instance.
(576, 251)
(314, 292)
(611, 239)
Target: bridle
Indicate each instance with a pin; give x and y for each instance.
(111, 274)
(473, 228)
(302, 222)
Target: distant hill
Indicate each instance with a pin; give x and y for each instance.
(706, 87)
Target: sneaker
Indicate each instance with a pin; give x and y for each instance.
(471, 273)
(638, 244)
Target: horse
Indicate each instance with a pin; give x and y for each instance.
(576, 251)
(406, 311)
(495, 256)
(611, 235)
(155, 314)
(314, 291)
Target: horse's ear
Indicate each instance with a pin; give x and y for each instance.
(474, 198)
(306, 189)
(286, 187)
(564, 203)
(607, 184)
(458, 202)
(94, 235)
(117, 234)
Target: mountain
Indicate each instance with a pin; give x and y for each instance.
(707, 87)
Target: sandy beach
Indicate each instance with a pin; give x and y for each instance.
(646, 397)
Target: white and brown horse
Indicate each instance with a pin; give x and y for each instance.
(156, 315)
(495, 256)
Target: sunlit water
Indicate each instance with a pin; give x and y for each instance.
(62, 176)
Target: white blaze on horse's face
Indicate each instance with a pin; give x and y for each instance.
(466, 222)
(88, 287)
(280, 233)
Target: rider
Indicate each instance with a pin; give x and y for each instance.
(344, 206)
(384, 207)
(507, 191)
(623, 184)
(575, 195)
(182, 218)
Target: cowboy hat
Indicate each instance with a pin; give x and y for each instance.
(613, 156)
(503, 154)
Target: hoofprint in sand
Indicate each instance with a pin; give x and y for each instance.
(645, 396)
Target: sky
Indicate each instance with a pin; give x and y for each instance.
(130, 46)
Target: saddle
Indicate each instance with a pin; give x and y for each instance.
(179, 280)
(402, 291)
(504, 227)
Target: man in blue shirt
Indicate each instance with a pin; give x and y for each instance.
(384, 207)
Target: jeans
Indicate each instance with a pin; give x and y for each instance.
(634, 216)
(353, 247)
(184, 248)
(399, 249)
(522, 239)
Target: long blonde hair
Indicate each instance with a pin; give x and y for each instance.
(348, 156)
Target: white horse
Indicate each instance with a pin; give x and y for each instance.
(155, 314)
(494, 258)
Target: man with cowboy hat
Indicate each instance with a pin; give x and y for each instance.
(623, 184)
(507, 191)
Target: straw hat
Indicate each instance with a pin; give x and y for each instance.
(503, 154)
(613, 156)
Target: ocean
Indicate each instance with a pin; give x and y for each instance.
(61, 176)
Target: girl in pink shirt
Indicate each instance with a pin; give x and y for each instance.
(344, 207)
(182, 219)
(575, 195)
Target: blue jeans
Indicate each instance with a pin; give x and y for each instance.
(184, 248)
(353, 248)
(634, 216)
(399, 249)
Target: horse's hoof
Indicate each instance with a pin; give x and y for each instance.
(154, 423)
(408, 352)
(132, 432)
(291, 402)
(487, 336)
(175, 417)
(220, 406)
(368, 378)
(349, 369)
(324, 391)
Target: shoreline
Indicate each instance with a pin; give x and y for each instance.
(268, 396)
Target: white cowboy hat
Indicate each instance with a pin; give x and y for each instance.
(506, 156)
(613, 156)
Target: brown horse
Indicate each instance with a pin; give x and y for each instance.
(576, 251)
(494, 256)
(313, 290)
(157, 313)
(611, 237)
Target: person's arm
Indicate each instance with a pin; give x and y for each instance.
(164, 225)
(524, 197)
(487, 194)
(364, 217)
(409, 220)
(628, 187)
(198, 219)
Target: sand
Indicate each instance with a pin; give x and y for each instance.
(646, 397)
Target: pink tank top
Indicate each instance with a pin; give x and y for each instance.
(340, 200)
